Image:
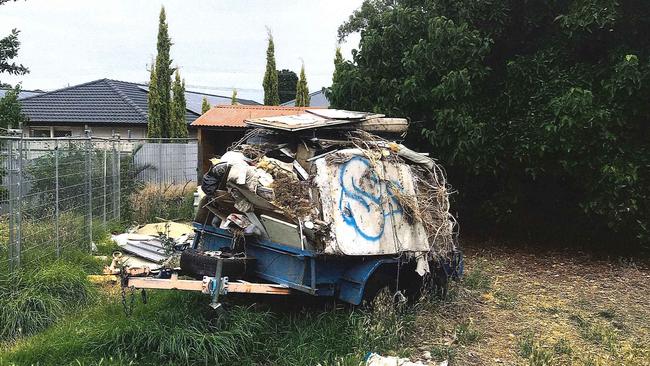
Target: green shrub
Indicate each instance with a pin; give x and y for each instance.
(538, 112)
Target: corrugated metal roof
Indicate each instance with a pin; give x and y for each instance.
(316, 99)
(23, 93)
(233, 116)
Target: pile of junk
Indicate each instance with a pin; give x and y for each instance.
(325, 202)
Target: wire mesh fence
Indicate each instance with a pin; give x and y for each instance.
(57, 194)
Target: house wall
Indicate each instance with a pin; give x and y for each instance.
(135, 132)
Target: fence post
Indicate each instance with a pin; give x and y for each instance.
(19, 206)
(56, 198)
(159, 169)
(119, 180)
(89, 187)
(11, 192)
(104, 192)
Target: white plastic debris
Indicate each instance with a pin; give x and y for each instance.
(375, 359)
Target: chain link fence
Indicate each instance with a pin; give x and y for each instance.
(58, 194)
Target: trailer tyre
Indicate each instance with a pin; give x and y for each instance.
(379, 290)
(198, 264)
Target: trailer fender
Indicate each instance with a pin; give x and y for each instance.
(353, 282)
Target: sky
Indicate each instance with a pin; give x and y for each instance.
(218, 45)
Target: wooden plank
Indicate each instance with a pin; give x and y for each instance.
(257, 288)
(166, 284)
(195, 285)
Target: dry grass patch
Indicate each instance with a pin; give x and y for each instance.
(541, 308)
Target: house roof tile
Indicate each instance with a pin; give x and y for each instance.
(102, 101)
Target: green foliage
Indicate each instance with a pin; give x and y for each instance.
(287, 81)
(467, 333)
(31, 301)
(270, 82)
(159, 99)
(538, 110)
(153, 123)
(205, 105)
(9, 47)
(477, 279)
(302, 90)
(233, 98)
(178, 106)
(10, 113)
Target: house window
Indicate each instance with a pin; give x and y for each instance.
(62, 133)
(41, 133)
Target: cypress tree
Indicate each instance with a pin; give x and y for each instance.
(178, 106)
(205, 105)
(164, 72)
(233, 99)
(270, 83)
(153, 124)
(302, 90)
(335, 92)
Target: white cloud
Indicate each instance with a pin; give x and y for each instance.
(218, 44)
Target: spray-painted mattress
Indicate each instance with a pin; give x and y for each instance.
(361, 198)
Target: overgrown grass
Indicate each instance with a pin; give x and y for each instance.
(171, 202)
(180, 329)
(31, 301)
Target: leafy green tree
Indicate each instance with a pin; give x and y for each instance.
(302, 90)
(11, 115)
(233, 98)
(163, 72)
(205, 105)
(538, 109)
(153, 123)
(287, 81)
(9, 47)
(270, 82)
(178, 107)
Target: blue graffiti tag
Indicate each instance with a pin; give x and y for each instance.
(367, 191)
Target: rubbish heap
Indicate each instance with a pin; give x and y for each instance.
(333, 182)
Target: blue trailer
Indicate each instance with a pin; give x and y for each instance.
(345, 278)
(305, 207)
(279, 269)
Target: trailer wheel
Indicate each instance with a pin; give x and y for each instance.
(379, 289)
(198, 264)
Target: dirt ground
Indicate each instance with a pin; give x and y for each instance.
(528, 306)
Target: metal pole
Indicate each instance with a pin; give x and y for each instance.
(114, 190)
(12, 193)
(104, 193)
(160, 164)
(19, 203)
(119, 180)
(56, 198)
(89, 188)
